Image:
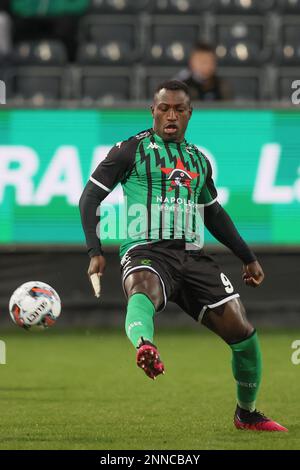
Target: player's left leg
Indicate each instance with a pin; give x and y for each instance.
(229, 321)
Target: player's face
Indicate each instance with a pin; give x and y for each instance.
(171, 113)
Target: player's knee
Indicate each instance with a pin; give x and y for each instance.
(244, 327)
(236, 326)
(240, 332)
(148, 285)
(143, 289)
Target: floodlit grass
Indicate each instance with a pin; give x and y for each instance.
(82, 390)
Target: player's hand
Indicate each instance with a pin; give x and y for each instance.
(253, 274)
(95, 271)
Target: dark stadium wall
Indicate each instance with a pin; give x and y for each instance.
(276, 303)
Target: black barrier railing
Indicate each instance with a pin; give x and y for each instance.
(132, 105)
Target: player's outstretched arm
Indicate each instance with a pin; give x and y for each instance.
(220, 225)
(89, 203)
(117, 164)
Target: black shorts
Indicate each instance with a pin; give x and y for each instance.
(192, 279)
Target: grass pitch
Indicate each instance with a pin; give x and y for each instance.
(82, 390)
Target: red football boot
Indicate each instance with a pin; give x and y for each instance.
(147, 358)
(255, 421)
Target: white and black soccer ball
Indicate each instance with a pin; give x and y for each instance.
(34, 304)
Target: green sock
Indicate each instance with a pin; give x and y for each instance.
(247, 367)
(139, 318)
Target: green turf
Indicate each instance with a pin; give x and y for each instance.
(82, 390)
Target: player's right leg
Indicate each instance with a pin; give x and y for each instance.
(145, 295)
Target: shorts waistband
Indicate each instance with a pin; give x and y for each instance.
(177, 244)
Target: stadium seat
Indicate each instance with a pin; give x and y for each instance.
(285, 88)
(244, 6)
(40, 53)
(111, 40)
(241, 42)
(5, 36)
(39, 84)
(290, 6)
(180, 6)
(154, 76)
(119, 6)
(244, 83)
(7, 78)
(169, 42)
(289, 50)
(105, 86)
(93, 53)
(285, 81)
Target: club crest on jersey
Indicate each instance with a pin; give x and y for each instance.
(179, 176)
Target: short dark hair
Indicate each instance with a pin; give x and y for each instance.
(203, 47)
(173, 85)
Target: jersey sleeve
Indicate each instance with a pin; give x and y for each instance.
(209, 192)
(116, 166)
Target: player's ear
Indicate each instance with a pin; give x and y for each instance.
(191, 111)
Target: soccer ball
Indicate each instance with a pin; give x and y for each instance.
(34, 304)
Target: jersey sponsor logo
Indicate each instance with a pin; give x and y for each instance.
(153, 146)
(174, 200)
(179, 176)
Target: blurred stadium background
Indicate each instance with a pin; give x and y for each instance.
(108, 51)
(79, 76)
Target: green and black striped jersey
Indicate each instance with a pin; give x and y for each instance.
(164, 183)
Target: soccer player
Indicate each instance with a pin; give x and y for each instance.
(168, 179)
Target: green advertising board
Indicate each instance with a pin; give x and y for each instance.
(46, 157)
